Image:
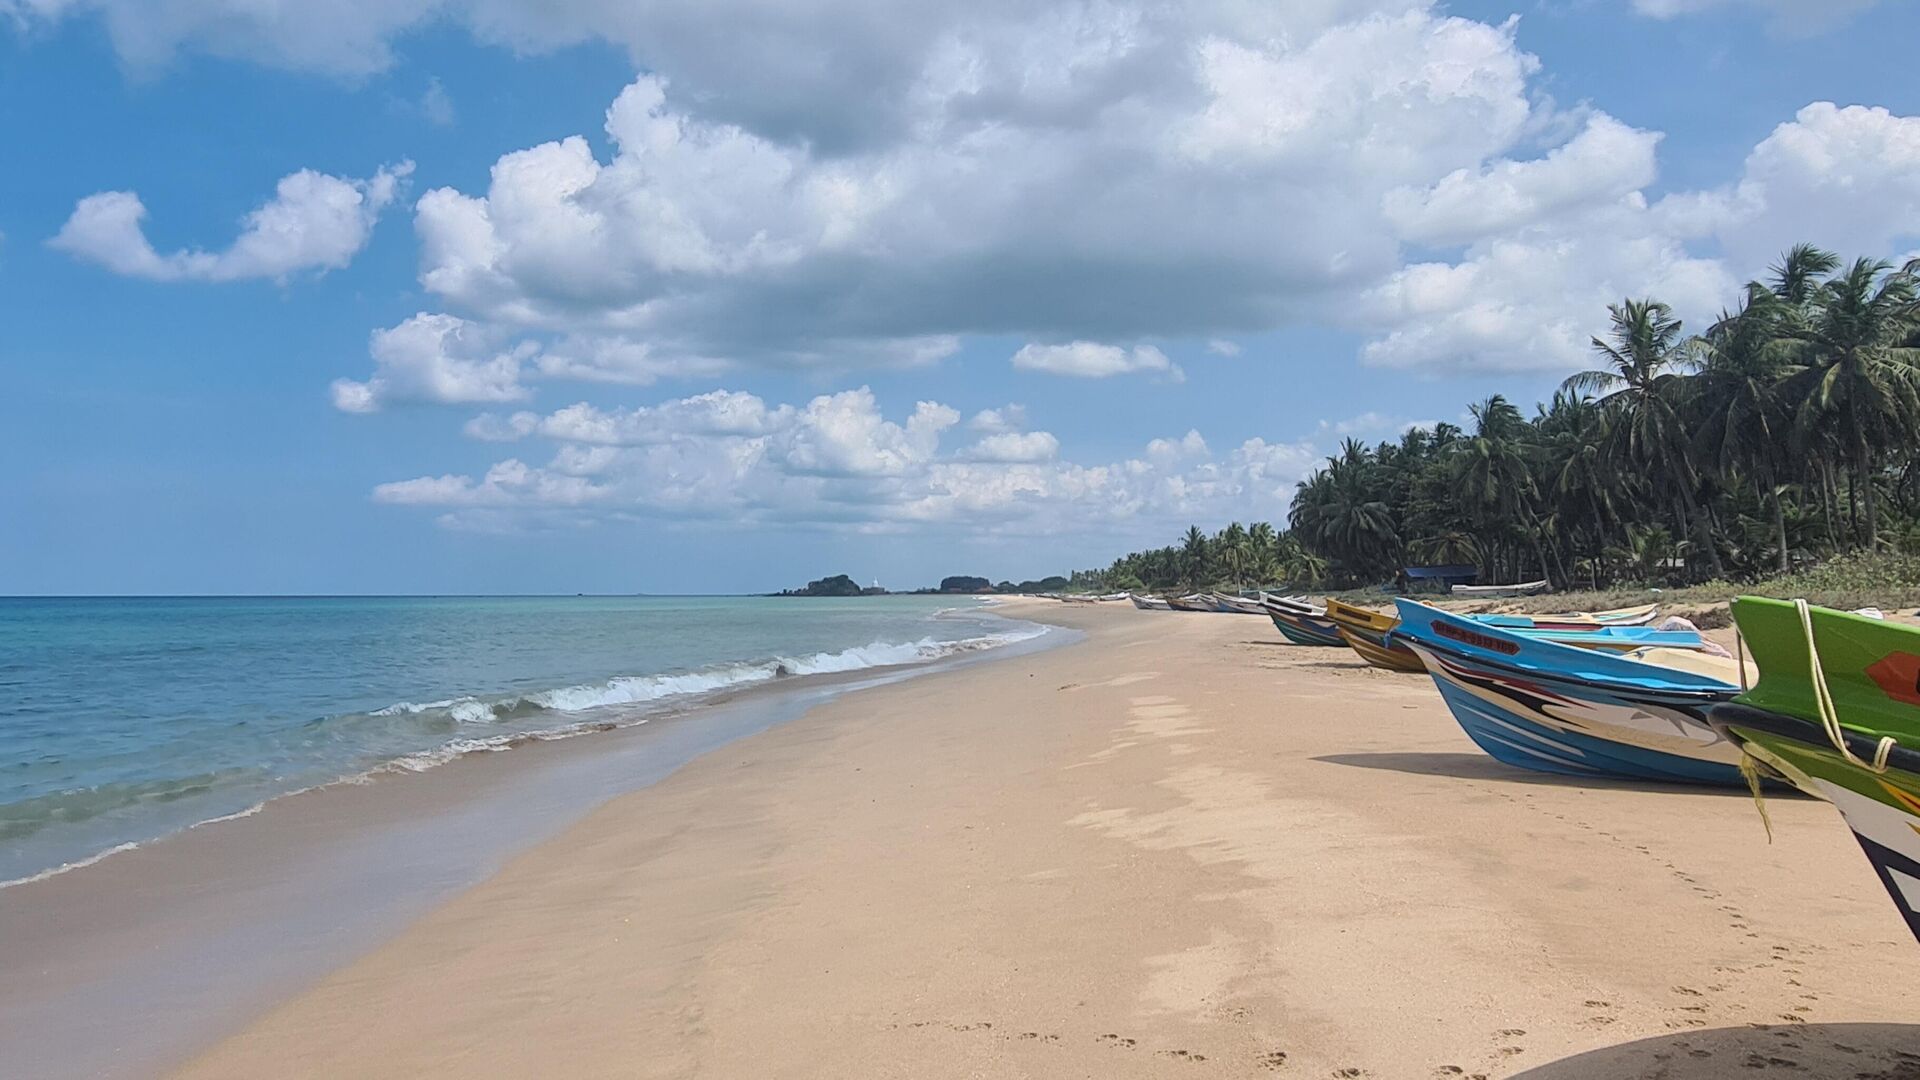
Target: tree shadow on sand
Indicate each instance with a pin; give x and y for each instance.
(1482, 767)
(1829, 1051)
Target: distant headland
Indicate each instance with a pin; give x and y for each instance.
(842, 585)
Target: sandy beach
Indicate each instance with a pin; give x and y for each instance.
(1176, 848)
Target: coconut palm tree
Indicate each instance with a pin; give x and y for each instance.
(1862, 377)
(1493, 474)
(1195, 557)
(1643, 380)
(1744, 421)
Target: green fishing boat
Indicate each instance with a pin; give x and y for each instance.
(1836, 711)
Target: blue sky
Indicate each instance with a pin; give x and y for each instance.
(1267, 230)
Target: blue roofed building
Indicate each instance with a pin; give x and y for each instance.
(1436, 579)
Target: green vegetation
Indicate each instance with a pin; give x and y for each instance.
(960, 583)
(1234, 557)
(1855, 580)
(1782, 436)
(1056, 583)
(837, 585)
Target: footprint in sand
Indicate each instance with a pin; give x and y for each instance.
(1182, 1055)
(1117, 1041)
(1272, 1060)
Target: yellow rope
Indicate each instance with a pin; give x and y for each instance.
(1823, 701)
(1750, 769)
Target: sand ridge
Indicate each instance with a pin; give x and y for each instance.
(1179, 848)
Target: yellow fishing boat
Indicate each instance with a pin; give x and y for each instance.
(1366, 630)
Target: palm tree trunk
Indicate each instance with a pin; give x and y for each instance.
(1780, 527)
(1853, 509)
(1703, 533)
(1864, 470)
(1830, 504)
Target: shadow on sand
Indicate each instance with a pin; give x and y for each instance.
(1828, 1051)
(1482, 767)
(1353, 663)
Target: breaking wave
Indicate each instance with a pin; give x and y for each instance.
(389, 738)
(642, 689)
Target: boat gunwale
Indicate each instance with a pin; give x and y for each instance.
(1538, 668)
(1808, 733)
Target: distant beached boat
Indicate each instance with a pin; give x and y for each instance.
(1836, 711)
(1300, 622)
(1290, 603)
(1573, 620)
(1236, 605)
(1365, 632)
(1542, 705)
(1525, 588)
(1615, 638)
(1150, 603)
(1189, 603)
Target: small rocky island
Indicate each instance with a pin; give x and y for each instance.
(837, 585)
(842, 585)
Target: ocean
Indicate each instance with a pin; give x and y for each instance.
(125, 719)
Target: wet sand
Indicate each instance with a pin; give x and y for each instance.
(1177, 848)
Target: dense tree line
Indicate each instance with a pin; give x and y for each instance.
(1782, 433)
(1237, 556)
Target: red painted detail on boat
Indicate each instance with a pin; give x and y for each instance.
(1475, 638)
(1898, 675)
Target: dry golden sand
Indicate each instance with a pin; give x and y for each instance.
(1178, 849)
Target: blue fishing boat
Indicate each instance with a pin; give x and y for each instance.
(1542, 705)
(1612, 638)
(1302, 624)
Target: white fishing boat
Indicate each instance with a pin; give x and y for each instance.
(1524, 588)
(1236, 605)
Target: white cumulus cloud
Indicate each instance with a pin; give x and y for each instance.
(313, 222)
(1090, 360)
(1010, 446)
(999, 421)
(1603, 163)
(437, 359)
(838, 463)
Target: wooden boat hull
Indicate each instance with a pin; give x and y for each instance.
(1234, 605)
(1395, 657)
(1306, 629)
(1574, 620)
(1881, 809)
(1525, 588)
(1149, 603)
(1556, 709)
(1369, 633)
(1620, 639)
(1872, 671)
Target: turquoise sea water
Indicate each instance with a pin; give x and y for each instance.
(122, 720)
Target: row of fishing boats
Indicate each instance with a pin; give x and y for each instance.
(1825, 701)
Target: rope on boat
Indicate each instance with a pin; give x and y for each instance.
(1823, 702)
(1750, 771)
